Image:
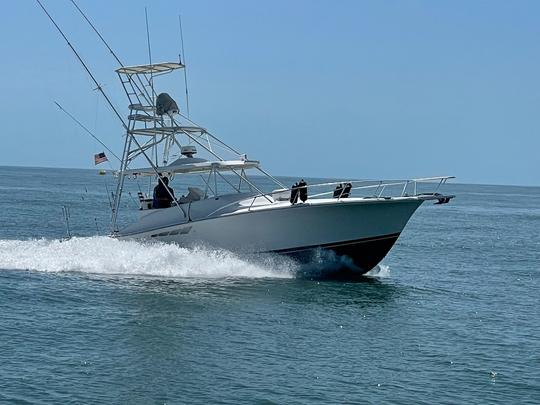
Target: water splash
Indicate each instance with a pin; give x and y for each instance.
(104, 255)
(379, 271)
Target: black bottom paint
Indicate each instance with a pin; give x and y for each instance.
(343, 260)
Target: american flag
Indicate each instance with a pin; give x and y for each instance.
(100, 158)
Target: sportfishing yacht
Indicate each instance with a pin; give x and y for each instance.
(229, 201)
(350, 223)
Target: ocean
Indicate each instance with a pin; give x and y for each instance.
(451, 316)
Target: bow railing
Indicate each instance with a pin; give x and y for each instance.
(363, 188)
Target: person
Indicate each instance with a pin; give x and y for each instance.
(163, 194)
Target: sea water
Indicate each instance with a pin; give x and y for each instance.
(452, 315)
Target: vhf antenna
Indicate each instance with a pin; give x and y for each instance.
(185, 66)
(154, 148)
(149, 48)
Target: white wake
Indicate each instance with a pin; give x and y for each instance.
(104, 255)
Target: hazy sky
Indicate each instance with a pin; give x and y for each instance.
(356, 89)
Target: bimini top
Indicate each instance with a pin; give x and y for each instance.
(195, 165)
(165, 67)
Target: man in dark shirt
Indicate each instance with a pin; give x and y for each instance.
(163, 194)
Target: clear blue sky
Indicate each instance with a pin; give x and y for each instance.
(359, 89)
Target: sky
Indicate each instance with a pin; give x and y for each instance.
(353, 89)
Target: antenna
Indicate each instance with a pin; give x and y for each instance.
(149, 49)
(185, 66)
(151, 82)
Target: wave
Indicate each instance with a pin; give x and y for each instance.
(104, 255)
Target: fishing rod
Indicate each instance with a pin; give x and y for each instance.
(87, 130)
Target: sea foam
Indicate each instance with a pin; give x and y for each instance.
(104, 255)
(379, 271)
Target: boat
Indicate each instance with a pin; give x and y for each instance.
(229, 201)
(348, 223)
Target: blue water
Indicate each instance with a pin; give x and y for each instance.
(450, 316)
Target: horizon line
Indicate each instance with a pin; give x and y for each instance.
(278, 175)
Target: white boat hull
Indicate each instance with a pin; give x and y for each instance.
(358, 232)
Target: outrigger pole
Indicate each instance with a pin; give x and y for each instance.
(97, 32)
(123, 165)
(87, 130)
(98, 86)
(109, 48)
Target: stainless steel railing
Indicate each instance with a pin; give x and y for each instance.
(405, 187)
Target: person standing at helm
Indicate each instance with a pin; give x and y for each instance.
(163, 194)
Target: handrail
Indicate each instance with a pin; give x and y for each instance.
(379, 184)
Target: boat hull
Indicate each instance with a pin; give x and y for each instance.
(354, 234)
(346, 259)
